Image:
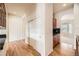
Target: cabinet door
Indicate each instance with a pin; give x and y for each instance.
(54, 23)
(2, 15)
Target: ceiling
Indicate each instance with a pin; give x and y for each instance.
(20, 8)
(57, 7)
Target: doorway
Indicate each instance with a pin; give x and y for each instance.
(63, 33)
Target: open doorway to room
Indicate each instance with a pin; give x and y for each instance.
(63, 33)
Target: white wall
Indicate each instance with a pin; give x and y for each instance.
(48, 28)
(16, 28)
(76, 23)
(37, 37)
(41, 29)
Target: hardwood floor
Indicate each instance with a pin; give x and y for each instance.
(63, 50)
(20, 48)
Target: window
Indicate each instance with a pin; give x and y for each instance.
(66, 27)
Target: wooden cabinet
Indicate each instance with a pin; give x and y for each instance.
(2, 25)
(2, 15)
(56, 40)
(56, 33)
(54, 23)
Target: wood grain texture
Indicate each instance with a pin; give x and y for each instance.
(20, 48)
(2, 15)
(63, 50)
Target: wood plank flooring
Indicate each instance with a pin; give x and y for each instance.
(20, 48)
(63, 50)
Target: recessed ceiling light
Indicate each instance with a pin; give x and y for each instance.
(14, 12)
(64, 5)
(24, 16)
